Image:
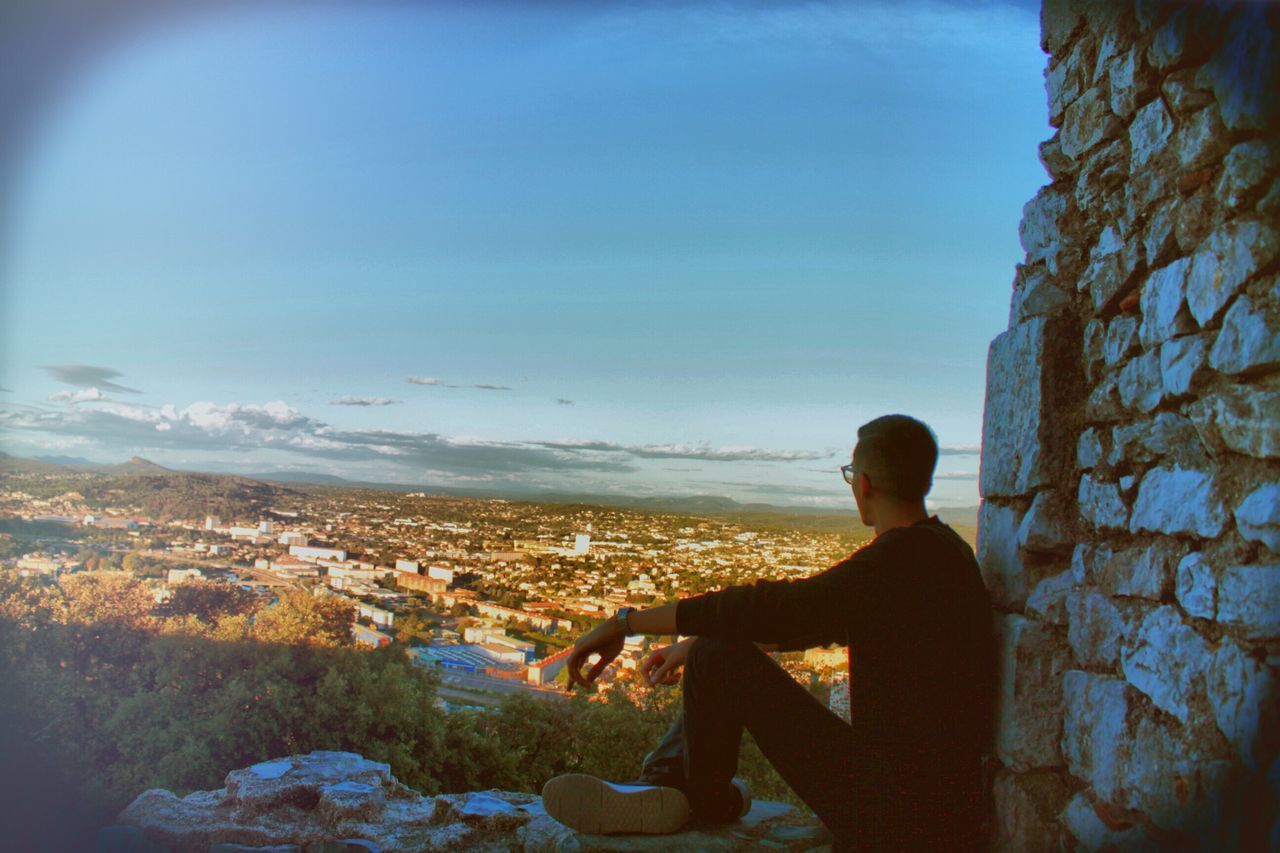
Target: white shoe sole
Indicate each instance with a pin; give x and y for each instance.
(591, 805)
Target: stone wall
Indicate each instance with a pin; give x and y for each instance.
(1130, 524)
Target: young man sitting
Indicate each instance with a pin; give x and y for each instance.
(912, 609)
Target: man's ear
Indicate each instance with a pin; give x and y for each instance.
(864, 484)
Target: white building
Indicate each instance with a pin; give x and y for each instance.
(174, 577)
(381, 618)
(292, 537)
(407, 566)
(582, 543)
(311, 553)
(442, 573)
(212, 522)
(267, 527)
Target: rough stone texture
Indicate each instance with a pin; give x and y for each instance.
(1027, 807)
(1160, 233)
(1164, 309)
(1097, 733)
(1249, 340)
(1249, 599)
(1022, 445)
(1140, 384)
(323, 799)
(1047, 527)
(1167, 661)
(997, 553)
(1197, 588)
(1048, 601)
(1142, 572)
(1182, 365)
(1258, 516)
(1243, 419)
(1100, 504)
(1245, 696)
(1095, 628)
(1229, 257)
(1029, 716)
(1245, 172)
(1174, 500)
(1082, 821)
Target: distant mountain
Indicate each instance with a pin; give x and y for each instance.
(310, 477)
(66, 460)
(137, 467)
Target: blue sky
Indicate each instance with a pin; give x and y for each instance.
(649, 249)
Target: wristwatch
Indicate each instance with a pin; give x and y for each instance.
(623, 618)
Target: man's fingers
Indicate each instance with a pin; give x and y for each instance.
(598, 668)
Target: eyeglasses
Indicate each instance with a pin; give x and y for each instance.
(847, 471)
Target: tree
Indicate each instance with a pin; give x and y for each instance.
(299, 617)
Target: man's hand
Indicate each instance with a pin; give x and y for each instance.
(605, 640)
(663, 665)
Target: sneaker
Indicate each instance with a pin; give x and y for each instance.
(587, 804)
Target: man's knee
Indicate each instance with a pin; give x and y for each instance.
(717, 654)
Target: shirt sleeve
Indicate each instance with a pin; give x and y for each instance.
(794, 614)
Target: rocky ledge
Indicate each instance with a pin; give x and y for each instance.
(341, 802)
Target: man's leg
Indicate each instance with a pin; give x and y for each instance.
(664, 765)
(731, 685)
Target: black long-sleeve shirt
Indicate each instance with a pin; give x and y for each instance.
(912, 608)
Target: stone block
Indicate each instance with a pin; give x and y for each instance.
(1140, 383)
(1048, 601)
(1083, 823)
(1111, 268)
(1029, 712)
(1145, 441)
(1103, 403)
(1059, 22)
(1201, 140)
(1130, 86)
(1196, 217)
(1040, 230)
(1099, 184)
(1088, 561)
(1149, 134)
(1245, 72)
(1034, 295)
(1121, 340)
(1097, 735)
(997, 553)
(1182, 365)
(1249, 600)
(1178, 501)
(1245, 698)
(1258, 516)
(1094, 346)
(1183, 95)
(1167, 661)
(1173, 780)
(1240, 418)
(1143, 572)
(1095, 628)
(1063, 83)
(1027, 807)
(1196, 586)
(1164, 308)
(1089, 450)
(1229, 257)
(1100, 504)
(1025, 439)
(1246, 171)
(1159, 241)
(1250, 338)
(1087, 123)
(1048, 526)
(1058, 165)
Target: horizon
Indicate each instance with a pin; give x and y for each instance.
(421, 247)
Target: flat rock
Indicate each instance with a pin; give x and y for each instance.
(341, 801)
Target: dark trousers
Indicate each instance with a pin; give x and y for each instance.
(732, 685)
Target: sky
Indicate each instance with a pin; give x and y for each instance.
(647, 249)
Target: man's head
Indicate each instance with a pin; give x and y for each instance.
(893, 464)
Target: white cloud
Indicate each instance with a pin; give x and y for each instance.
(85, 396)
(423, 380)
(349, 400)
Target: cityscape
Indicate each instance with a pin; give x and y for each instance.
(490, 593)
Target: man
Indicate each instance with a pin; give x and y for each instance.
(911, 607)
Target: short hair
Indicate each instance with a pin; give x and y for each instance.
(898, 453)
